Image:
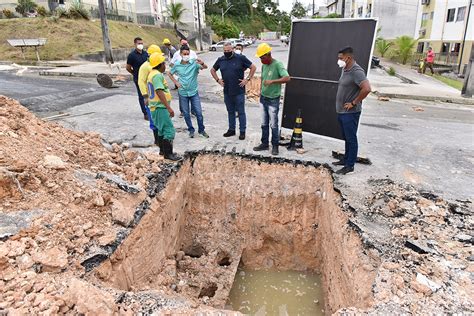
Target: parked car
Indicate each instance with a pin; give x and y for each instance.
(216, 46)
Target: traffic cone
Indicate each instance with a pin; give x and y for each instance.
(297, 137)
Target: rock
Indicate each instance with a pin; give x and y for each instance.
(121, 184)
(16, 249)
(464, 238)
(420, 287)
(433, 286)
(9, 185)
(99, 201)
(418, 246)
(52, 259)
(121, 214)
(107, 239)
(24, 262)
(54, 162)
(89, 300)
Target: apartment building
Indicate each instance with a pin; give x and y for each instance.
(448, 27)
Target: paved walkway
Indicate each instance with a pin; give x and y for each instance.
(424, 87)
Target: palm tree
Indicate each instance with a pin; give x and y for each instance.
(175, 13)
(405, 45)
(383, 46)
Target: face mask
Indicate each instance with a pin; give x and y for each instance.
(140, 46)
(266, 61)
(228, 54)
(186, 58)
(341, 63)
(238, 51)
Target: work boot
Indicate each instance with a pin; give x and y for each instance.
(168, 148)
(345, 170)
(274, 150)
(156, 137)
(338, 163)
(160, 144)
(261, 147)
(242, 136)
(229, 133)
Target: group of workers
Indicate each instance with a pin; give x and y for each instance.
(149, 68)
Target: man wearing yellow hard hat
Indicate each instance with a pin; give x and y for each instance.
(143, 73)
(168, 49)
(159, 103)
(274, 75)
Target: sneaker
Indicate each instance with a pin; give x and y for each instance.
(229, 133)
(338, 163)
(261, 147)
(242, 136)
(345, 170)
(204, 134)
(191, 134)
(274, 150)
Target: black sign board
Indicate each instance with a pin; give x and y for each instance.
(314, 72)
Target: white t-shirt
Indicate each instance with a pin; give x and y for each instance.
(177, 56)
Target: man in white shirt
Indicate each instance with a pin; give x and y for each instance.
(177, 56)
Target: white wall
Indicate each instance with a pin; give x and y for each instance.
(397, 17)
(451, 31)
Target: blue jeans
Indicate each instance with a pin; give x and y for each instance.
(349, 123)
(195, 108)
(270, 108)
(141, 100)
(236, 103)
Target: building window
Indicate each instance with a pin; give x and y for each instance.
(461, 14)
(445, 48)
(359, 11)
(451, 14)
(420, 47)
(456, 48)
(432, 15)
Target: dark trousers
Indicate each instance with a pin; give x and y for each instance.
(236, 103)
(349, 123)
(428, 65)
(140, 99)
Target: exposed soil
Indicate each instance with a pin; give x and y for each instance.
(93, 228)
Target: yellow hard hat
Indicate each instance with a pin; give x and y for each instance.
(263, 49)
(166, 41)
(154, 49)
(156, 59)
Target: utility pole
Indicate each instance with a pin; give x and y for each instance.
(468, 88)
(313, 10)
(199, 24)
(464, 37)
(109, 59)
(343, 8)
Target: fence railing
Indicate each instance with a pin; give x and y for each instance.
(450, 58)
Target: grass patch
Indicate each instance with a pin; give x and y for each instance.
(456, 84)
(391, 71)
(67, 37)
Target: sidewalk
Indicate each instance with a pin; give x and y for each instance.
(88, 70)
(422, 87)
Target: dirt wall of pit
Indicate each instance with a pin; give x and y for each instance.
(269, 216)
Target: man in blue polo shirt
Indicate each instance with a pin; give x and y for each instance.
(135, 59)
(232, 67)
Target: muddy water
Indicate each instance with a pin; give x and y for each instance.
(276, 293)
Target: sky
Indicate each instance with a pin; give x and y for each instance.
(286, 5)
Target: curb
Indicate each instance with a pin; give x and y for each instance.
(465, 101)
(79, 74)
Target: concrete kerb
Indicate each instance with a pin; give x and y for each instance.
(464, 101)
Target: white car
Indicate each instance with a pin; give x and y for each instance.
(215, 47)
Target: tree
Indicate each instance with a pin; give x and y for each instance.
(25, 6)
(383, 46)
(175, 13)
(404, 47)
(298, 10)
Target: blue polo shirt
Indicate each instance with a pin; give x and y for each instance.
(188, 74)
(136, 59)
(232, 71)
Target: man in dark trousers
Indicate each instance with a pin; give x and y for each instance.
(135, 59)
(353, 87)
(232, 67)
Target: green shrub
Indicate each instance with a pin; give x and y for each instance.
(391, 71)
(225, 29)
(25, 6)
(383, 46)
(8, 14)
(42, 11)
(61, 13)
(404, 48)
(77, 11)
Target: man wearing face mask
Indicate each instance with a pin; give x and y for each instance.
(274, 75)
(160, 108)
(232, 67)
(239, 49)
(177, 55)
(353, 87)
(134, 60)
(188, 70)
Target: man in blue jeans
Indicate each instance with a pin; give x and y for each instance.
(187, 70)
(274, 75)
(353, 87)
(135, 59)
(232, 67)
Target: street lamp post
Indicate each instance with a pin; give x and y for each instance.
(224, 12)
(199, 24)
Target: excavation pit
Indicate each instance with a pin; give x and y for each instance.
(221, 212)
